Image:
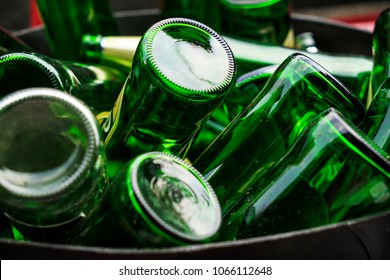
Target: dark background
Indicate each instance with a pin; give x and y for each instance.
(15, 14)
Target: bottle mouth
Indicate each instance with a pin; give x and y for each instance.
(174, 198)
(23, 70)
(49, 142)
(190, 57)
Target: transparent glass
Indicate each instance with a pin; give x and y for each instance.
(52, 163)
(98, 86)
(381, 50)
(259, 137)
(297, 194)
(204, 11)
(66, 21)
(262, 21)
(182, 71)
(157, 200)
(243, 92)
(353, 71)
(377, 122)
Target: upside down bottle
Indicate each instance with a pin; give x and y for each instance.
(263, 132)
(182, 71)
(296, 195)
(52, 163)
(157, 200)
(98, 86)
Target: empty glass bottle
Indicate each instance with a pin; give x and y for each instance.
(243, 92)
(10, 43)
(295, 195)
(66, 21)
(353, 71)
(260, 136)
(366, 192)
(98, 86)
(182, 71)
(381, 50)
(156, 200)
(52, 163)
(263, 21)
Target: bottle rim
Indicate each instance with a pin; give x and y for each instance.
(153, 218)
(156, 28)
(90, 155)
(45, 67)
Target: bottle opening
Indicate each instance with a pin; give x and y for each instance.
(22, 70)
(175, 197)
(191, 56)
(46, 142)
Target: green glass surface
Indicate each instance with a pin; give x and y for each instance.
(369, 191)
(243, 92)
(381, 50)
(182, 71)
(10, 43)
(114, 51)
(259, 137)
(295, 195)
(353, 71)
(98, 86)
(261, 21)
(204, 11)
(52, 162)
(157, 200)
(377, 122)
(66, 21)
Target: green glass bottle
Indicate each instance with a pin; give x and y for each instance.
(115, 51)
(260, 136)
(243, 92)
(66, 21)
(10, 43)
(204, 11)
(369, 192)
(353, 71)
(294, 196)
(157, 200)
(261, 21)
(381, 50)
(182, 71)
(98, 86)
(52, 163)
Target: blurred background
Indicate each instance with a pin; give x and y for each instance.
(20, 14)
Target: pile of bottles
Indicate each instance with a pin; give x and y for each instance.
(217, 124)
